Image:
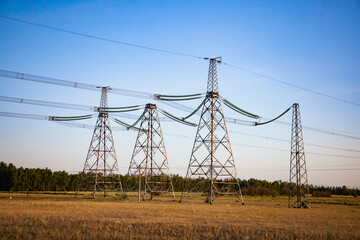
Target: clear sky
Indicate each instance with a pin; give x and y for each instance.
(312, 44)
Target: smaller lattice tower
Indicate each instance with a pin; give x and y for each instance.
(212, 166)
(101, 171)
(298, 181)
(149, 167)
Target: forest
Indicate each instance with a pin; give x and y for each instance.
(31, 179)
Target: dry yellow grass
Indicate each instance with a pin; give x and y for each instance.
(40, 216)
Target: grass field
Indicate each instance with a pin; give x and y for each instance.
(61, 216)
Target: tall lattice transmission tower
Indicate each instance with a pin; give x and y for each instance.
(149, 162)
(298, 181)
(101, 171)
(212, 160)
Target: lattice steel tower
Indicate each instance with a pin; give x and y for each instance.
(149, 161)
(211, 159)
(101, 171)
(298, 181)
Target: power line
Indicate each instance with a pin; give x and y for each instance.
(284, 150)
(292, 85)
(269, 148)
(65, 83)
(48, 118)
(49, 104)
(138, 94)
(319, 169)
(100, 38)
(131, 116)
(284, 140)
(325, 131)
(175, 53)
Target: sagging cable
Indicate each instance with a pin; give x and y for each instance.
(128, 126)
(195, 111)
(263, 123)
(73, 118)
(239, 110)
(176, 119)
(239, 121)
(178, 97)
(87, 126)
(120, 111)
(112, 108)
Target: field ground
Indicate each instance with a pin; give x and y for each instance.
(61, 216)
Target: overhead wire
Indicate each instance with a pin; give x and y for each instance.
(128, 127)
(284, 150)
(174, 53)
(99, 38)
(292, 85)
(195, 111)
(65, 83)
(238, 110)
(85, 86)
(274, 119)
(309, 170)
(77, 107)
(273, 149)
(22, 76)
(176, 119)
(88, 126)
(287, 141)
(45, 117)
(179, 97)
(49, 104)
(328, 131)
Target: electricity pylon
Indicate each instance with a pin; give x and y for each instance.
(149, 161)
(298, 181)
(101, 171)
(211, 159)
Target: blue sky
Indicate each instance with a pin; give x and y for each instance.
(313, 44)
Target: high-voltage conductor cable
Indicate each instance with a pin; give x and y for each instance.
(177, 119)
(60, 120)
(63, 121)
(114, 111)
(47, 118)
(99, 38)
(123, 115)
(292, 85)
(158, 97)
(22, 76)
(287, 141)
(193, 111)
(238, 110)
(92, 87)
(324, 131)
(311, 169)
(268, 120)
(273, 149)
(174, 53)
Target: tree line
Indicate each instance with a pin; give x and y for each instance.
(31, 179)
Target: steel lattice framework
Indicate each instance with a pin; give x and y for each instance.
(211, 159)
(149, 162)
(101, 171)
(298, 181)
